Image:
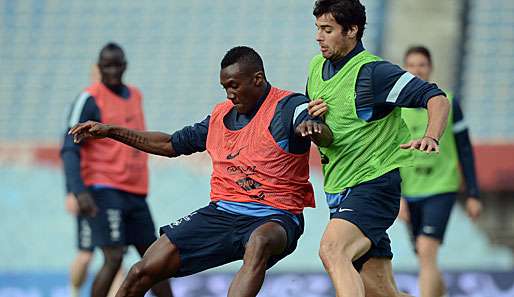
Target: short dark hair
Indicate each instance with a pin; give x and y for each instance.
(419, 49)
(346, 13)
(111, 46)
(244, 55)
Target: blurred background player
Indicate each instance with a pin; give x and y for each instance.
(80, 264)
(430, 187)
(360, 96)
(259, 141)
(109, 180)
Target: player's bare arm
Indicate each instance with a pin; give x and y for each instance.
(157, 143)
(438, 108)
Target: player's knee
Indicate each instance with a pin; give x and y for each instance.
(331, 252)
(113, 258)
(427, 249)
(259, 246)
(136, 271)
(84, 257)
(140, 271)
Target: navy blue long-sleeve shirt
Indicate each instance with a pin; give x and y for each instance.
(84, 109)
(290, 112)
(464, 150)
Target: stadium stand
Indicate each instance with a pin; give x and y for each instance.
(488, 70)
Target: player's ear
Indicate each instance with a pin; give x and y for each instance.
(352, 32)
(259, 78)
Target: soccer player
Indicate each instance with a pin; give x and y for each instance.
(259, 142)
(80, 264)
(430, 187)
(360, 96)
(108, 179)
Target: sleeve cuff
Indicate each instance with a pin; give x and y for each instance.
(175, 142)
(431, 94)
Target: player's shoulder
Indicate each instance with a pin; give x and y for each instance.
(381, 70)
(317, 59)
(384, 66)
(294, 99)
(134, 90)
(93, 89)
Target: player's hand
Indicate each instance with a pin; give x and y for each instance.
(317, 108)
(473, 208)
(71, 204)
(308, 128)
(87, 205)
(404, 213)
(425, 144)
(89, 129)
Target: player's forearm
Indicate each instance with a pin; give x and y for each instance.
(324, 138)
(156, 143)
(438, 109)
(71, 164)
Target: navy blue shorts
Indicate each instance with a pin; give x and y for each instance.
(84, 235)
(210, 237)
(429, 216)
(372, 206)
(122, 219)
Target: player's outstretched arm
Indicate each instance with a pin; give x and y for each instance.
(438, 109)
(156, 143)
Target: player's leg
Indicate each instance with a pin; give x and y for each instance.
(262, 242)
(196, 242)
(270, 239)
(436, 212)
(113, 256)
(116, 283)
(378, 278)
(360, 217)
(430, 277)
(108, 233)
(141, 233)
(162, 288)
(160, 262)
(337, 253)
(80, 265)
(78, 271)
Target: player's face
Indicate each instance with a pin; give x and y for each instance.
(243, 88)
(333, 42)
(418, 65)
(112, 65)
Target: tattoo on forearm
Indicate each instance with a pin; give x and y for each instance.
(129, 137)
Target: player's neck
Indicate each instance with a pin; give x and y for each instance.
(116, 89)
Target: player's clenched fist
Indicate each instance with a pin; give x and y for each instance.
(317, 108)
(89, 129)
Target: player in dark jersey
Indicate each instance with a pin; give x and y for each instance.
(430, 187)
(259, 142)
(110, 181)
